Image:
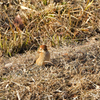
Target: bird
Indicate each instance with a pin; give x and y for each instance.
(43, 55)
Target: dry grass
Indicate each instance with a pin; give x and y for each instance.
(75, 72)
(44, 22)
(75, 76)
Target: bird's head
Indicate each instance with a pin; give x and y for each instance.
(42, 48)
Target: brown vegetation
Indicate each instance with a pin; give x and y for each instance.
(70, 29)
(49, 23)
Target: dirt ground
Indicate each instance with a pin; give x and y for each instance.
(74, 74)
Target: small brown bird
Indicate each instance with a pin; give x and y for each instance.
(43, 55)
